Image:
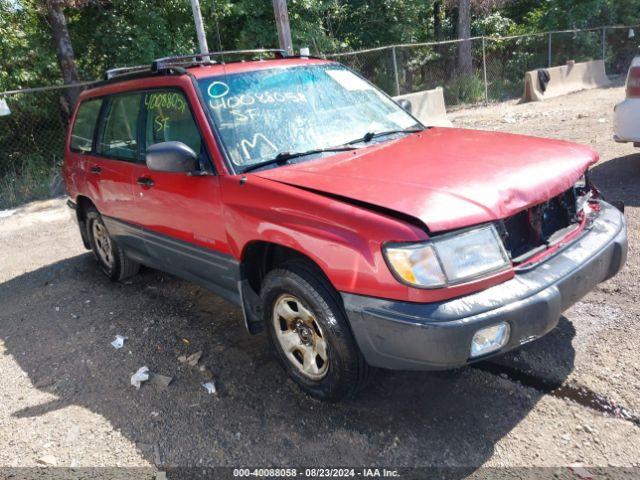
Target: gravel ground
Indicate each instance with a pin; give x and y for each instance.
(66, 397)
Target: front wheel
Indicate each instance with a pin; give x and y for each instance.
(310, 333)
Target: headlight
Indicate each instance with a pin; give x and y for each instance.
(449, 259)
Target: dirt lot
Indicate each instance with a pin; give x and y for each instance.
(65, 392)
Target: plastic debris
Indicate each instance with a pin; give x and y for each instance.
(6, 213)
(142, 375)
(118, 343)
(160, 380)
(48, 460)
(5, 110)
(186, 341)
(192, 359)
(210, 387)
(580, 471)
(509, 118)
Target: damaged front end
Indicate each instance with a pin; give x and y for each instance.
(535, 233)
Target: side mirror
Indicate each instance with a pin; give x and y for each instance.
(173, 157)
(405, 104)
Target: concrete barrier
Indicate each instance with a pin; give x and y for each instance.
(428, 107)
(568, 78)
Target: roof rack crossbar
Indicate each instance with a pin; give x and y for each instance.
(115, 72)
(205, 58)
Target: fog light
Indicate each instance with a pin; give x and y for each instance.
(489, 339)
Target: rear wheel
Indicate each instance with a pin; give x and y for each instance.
(111, 258)
(310, 334)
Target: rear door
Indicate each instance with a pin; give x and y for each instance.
(181, 213)
(81, 156)
(112, 167)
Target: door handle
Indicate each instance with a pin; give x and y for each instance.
(96, 169)
(146, 182)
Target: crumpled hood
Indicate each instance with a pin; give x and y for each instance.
(447, 178)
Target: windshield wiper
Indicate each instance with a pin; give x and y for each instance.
(284, 157)
(367, 137)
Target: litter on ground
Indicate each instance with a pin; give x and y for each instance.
(142, 375)
(118, 343)
(192, 359)
(160, 380)
(578, 469)
(210, 387)
(48, 460)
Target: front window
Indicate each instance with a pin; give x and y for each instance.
(169, 119)
(263, 113)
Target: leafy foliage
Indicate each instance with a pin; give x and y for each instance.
(109, 33)
(113, 33)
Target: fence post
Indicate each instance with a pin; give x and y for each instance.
(395, 69)
(549, 51)
(484, 70)
(604, 45)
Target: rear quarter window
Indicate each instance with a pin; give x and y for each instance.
(85, 125)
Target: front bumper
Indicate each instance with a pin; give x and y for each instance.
(432, 336)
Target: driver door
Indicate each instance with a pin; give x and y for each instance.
(181, 213)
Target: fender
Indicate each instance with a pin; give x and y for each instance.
(344, 240)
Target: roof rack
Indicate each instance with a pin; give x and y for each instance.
(115, 72)
(205, 58)
(183, 61)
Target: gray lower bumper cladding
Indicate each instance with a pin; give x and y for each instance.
(411, 336)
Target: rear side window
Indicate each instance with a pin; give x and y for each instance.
(120, 134)
(169, 119)
(85, 125)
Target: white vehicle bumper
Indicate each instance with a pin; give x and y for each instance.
(626, 121)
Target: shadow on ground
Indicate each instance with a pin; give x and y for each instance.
(618, 179)
(258, 417)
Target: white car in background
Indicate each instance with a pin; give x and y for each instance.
(626, 117)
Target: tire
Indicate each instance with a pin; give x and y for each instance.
(110, 256)
(304, 319)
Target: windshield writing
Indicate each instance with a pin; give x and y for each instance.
(263, 113)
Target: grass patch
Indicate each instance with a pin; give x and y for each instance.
(29, 181)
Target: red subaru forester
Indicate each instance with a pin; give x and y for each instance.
(355, 235)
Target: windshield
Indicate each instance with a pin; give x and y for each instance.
(263, 113)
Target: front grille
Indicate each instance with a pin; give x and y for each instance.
(533, 230)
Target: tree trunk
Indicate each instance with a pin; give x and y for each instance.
(442, 51)
(437, 20)
(64, 49)
(465, 61)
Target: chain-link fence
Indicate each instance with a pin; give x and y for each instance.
(498, 64)
(33, 133)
